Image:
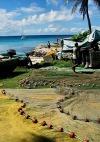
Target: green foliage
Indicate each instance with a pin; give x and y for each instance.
(57, 63)
(80, 36)
(61, 63)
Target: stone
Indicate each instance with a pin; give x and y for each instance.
(34, 120)
(72, 135)
(50, 126)
(43, 123)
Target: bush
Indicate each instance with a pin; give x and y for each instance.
(61, 63)
(80, 36)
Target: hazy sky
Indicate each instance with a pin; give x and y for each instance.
(43, 17)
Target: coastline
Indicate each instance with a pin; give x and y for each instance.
(28, 43)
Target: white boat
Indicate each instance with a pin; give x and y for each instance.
(22, 37)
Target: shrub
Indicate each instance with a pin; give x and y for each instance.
(80, 36)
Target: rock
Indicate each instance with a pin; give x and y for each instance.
(27, 116)
(21, 101)
(16, 99)
(22, 112)
(68, 113)
(19, 109)
(43, 123)
(72, 135)
(60, 129)
(24, 105)
(3, 92)
(61, 110)
(98, 120)
(59, 106)
(74, 117)
(87, 120)
(34, 120)
(50, 126)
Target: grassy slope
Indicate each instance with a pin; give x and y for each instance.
(14, 128)
(82, 80)
(12, 81)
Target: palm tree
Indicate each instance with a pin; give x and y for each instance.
(84, 10)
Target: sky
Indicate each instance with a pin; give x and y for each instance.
(39, 17)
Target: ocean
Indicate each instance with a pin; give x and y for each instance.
(27, 43)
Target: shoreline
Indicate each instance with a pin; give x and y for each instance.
(28, 43)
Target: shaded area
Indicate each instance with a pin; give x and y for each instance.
(38, 138)
(11, 80)
(11, 75)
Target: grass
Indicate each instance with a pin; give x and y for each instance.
(14, 127)
(12, 80)
(79, 80)
(62, 63)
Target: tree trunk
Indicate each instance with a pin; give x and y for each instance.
(88, 18)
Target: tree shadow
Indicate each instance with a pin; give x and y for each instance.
(86, 72)
(38, 138)
(11, 75)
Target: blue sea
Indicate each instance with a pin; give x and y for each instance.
(27, 43)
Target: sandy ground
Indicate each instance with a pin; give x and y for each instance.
(15, 128)
(42, 104)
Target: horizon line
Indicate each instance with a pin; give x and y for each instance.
(36, 35)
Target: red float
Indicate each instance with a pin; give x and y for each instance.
(72, 135)
(50, 126)
(24, 105)
(34, 120)
(43, 123)
(19, 109)
(27, 116)
(60, 130)
(22, 112)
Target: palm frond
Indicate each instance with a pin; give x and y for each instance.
(76, 4)
(97, 2)
(84, 7)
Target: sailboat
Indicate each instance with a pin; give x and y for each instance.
(22, 37)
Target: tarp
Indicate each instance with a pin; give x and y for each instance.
(68, 45)
(94, 36)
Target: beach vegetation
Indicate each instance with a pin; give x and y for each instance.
(80, 36)
(62, 63)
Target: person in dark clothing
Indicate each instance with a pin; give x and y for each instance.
(62, 43)
(29, 62)
(94, 45)
(48, 44)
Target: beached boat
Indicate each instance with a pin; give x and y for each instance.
(8, 65)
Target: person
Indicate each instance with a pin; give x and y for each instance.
(93, 49)
(48, 44)
(62, 43)
(76, 56)
(28, 60)
(94, 45)
(57, 41)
